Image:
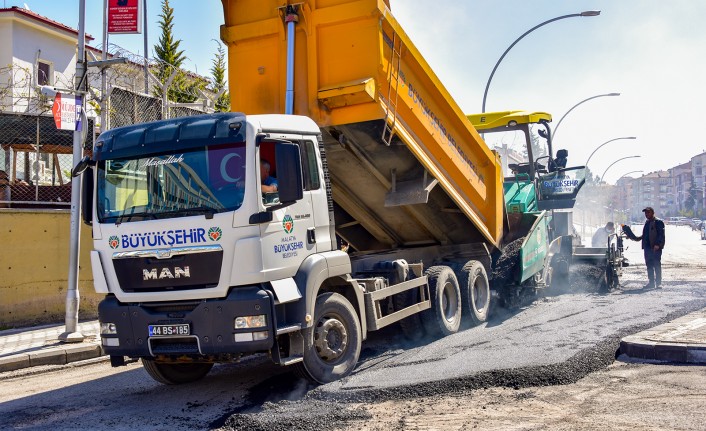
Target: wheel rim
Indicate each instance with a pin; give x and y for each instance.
(449, 302)
(480, 294)
(330, 338)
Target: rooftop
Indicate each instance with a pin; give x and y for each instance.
(37, 17)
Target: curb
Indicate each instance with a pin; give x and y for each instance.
(53, 356)
(640, 348)
(682, 340)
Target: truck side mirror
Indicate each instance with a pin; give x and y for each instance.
(86, 195)
(290, 184)
(85, 163)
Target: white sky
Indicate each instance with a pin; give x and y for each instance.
(653, 52)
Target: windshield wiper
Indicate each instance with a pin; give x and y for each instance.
(129, 216)
(207, 211)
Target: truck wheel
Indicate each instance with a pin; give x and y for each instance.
(332, 344)
(444, 317)
(176, 374)
(412, 326)
(475, 291)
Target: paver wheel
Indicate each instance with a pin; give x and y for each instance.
(332, 344)
(444, 317)
(176, 374)
(475, 291)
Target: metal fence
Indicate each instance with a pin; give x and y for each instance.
(36, 161)
(126, 107)
(37, 158)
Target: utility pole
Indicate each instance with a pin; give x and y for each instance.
(72, 335)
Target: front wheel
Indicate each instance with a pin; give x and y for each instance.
(332, 344)
(176, 374)
(475, 291)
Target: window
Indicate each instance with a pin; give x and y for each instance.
(43, 73)
(310, 167)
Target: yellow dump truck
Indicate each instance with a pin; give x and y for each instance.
(353, 194)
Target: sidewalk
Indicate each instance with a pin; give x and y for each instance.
(40, 345)
(682, 340)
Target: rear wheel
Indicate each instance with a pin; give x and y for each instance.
(475, 291)
(444, 317)
(176, 374)
(332, 344)
(412, 326)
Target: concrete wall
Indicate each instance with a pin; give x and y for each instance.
(34, 268)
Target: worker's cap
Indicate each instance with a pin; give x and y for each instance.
(646, 209)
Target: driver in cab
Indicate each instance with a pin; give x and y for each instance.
(268, 184)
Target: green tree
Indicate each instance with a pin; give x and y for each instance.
(218, 72)
(183, 88)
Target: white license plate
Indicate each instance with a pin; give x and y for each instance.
(169, 330)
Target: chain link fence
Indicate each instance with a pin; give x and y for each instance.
(36, 161)
(127, 107)
(37, 158)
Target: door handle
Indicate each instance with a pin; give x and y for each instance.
(311, 235)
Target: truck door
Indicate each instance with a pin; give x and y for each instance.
(290, 237)
(314, 184)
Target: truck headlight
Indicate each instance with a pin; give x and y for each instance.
(108, 329)
(245, 322)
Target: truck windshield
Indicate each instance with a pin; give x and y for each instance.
(204, 180)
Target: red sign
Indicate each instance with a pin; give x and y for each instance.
(125, 16)
(67, 111)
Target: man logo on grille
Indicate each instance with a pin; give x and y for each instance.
(165, 273)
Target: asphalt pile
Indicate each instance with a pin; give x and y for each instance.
(586, 277)
(506, 264)
(312, 415)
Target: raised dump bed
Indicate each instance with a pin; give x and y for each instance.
(407, 167)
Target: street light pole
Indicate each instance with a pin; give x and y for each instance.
(606, 142)
(623, 158)
(585, 13)
(573, 107)
(72, 334)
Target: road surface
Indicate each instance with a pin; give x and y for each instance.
(557, 340)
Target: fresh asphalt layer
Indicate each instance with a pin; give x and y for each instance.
(548, 333)
(471, 351)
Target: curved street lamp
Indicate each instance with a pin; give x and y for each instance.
(623, 158)
(573, 107)
(606, 142)
(585, 13)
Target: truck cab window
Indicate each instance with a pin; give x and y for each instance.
(310, 165)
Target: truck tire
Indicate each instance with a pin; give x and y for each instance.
(412, 326)
(176, 374)
(332, 344)
(444, 317)
(475, 291)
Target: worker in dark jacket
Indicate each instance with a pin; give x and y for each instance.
(652, 245)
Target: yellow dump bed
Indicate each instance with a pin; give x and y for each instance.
(390, 128)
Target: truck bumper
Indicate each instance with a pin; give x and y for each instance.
(206, 328)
